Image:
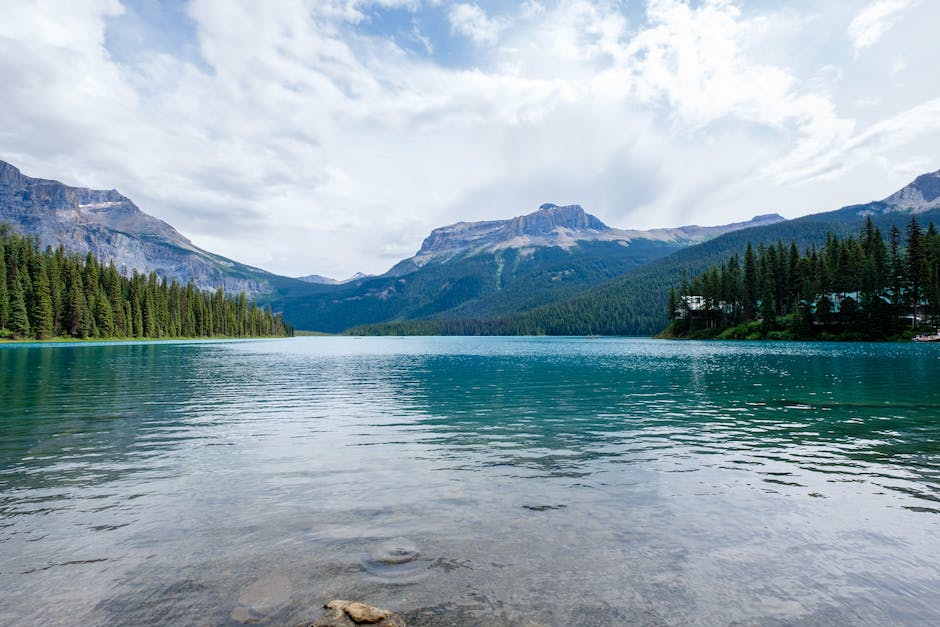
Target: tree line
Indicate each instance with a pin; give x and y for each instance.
(867, 287)
(51, 293)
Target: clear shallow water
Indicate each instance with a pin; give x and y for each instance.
(471, 481)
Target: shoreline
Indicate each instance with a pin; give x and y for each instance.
(59, 341)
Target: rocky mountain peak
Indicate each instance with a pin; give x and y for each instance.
(111, 227)
(548, 221)
(9, 175)
(549, 217)
(921, 194)
(550, 226)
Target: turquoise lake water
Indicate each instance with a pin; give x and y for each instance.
(477, 481)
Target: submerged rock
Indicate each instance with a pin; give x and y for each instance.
(262, 599)
(340, 613)
(245, 616)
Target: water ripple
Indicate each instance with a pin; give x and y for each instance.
(691, 482)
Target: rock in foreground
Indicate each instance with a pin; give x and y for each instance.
(341, 613)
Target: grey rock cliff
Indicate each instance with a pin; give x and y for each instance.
(920, 195)
(111, 227)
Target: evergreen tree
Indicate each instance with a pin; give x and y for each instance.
(104, 316)
(751, 283)
(53, 293)
(19, 319)
(42, 320)
(90, 274)
(116, 301)
(932, 256)
(916, 267)
(75, 302)
(86, 326)
(840, 289)
(794, 276)
(896, 266)
(4, 291)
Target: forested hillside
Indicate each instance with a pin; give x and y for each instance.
(492, 268)
(636, 302)
(858, 287)
(489, 284)
(47, 294)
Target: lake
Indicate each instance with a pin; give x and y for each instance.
(476, 481)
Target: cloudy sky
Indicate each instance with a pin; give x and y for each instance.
(330, 136)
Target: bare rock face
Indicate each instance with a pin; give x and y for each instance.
(340, 613)
(543, 223)
(112, 228)
(551, 225)
(922, 194)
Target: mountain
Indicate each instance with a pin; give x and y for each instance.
(325, 280)
(558, 270)
(492, 268)
(550, 226)
(923, 194)
(635, 303)
(111, 227)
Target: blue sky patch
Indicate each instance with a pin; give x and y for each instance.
(153, 26)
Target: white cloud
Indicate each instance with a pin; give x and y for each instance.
(421, 38)
(473, 22)
(303, 142)
(697, 58)
(874, 20)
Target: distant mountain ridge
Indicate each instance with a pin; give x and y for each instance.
(493, 267)
(550, 225)
(635, 302)
(111, 227)
(558, 269)
(319, 279)
(922, 194)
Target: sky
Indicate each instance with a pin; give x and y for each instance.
(332, 136)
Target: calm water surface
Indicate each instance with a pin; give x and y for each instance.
(478, 481)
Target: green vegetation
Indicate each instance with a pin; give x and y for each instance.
(486, 286)
(855, 288)
(50, 294)
(636, 303)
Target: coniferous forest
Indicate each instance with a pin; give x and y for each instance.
(859, 287)
(51, 293)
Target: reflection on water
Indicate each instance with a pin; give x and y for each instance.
(470, 480)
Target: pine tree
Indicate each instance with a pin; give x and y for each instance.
(750, 283)
(42, 306)
(104, 316)
(896, 266)
(50, 293)
(86, 327)
(4, 292)
(916, 266)
(55, 263)
(19, 319)
(116, 300)
(932, 256)
(794, 276)
(75, 302)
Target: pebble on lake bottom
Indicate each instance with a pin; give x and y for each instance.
(262, 599)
